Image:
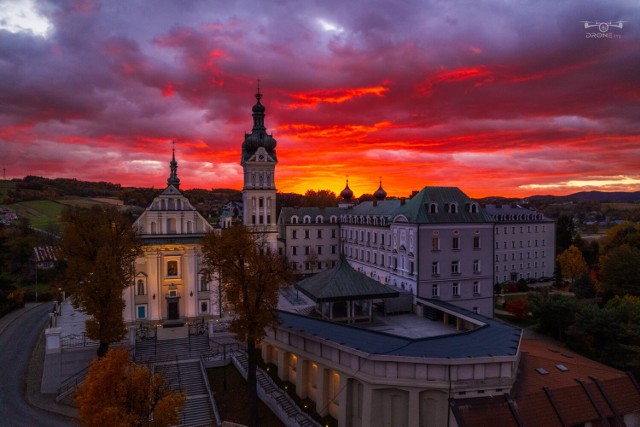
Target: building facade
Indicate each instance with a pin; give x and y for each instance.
(258, 164)
(168, 286)
(524, 243)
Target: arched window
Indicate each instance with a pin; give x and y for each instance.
(307, 219)
(474, 208)
(140, 287)
(433, 208)
(453, 208)
(171, 226)
(319, 219)
(294, 219)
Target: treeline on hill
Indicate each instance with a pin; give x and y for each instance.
(39, 188)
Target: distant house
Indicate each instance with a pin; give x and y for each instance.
(45, 257)
(7, 216)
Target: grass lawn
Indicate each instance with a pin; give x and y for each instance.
(5, 186)
(232, 402)
(42, 214)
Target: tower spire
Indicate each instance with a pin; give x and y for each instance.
(173, 165)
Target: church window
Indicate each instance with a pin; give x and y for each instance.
(204, 284)
(140, 287)
(172, 206)
(179, 202)
(153, 228)
(162, 205)
(189, 227)
(171, 226)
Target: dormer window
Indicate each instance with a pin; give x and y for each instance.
(433, 208)
(307, 219)
(453, 208)
(473, 208)
(319, 219)
(294, 219)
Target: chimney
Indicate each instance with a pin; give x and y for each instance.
(402, 201)
(375, 202)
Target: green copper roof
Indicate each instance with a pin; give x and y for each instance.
(343, 283)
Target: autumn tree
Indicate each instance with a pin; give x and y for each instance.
(120, 393)
(251, 277)
(572, 263)
(99, 247)
(620, 262)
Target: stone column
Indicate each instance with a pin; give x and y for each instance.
(414, 408)
(322, 393)
(343, 399)
(302, 377)
(283, 371)
(367, 404)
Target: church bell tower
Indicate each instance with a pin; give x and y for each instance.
(259, 163)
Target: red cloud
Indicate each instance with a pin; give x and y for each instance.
(334, 96)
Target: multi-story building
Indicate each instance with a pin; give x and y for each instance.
(437, 245)
(310, 237)
(524, 243)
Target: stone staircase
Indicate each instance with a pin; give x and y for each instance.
(295, 416)
(178, 361)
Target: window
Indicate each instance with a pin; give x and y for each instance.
(333, 233)
(455, 267)
(476, 288)
(319, 234)
(435, 268)
(456, 289)
(141, 311)
(435, 244)
(382, 239)
(294, 250)
(140, 287)
(319, 219)
(456, 243)
(319, 249)
(435, 291)
(476, 310)
(204, 285)
(306, 250)
(476, 242)
(294, 234)
(433, 208)
(260, 202)
(476, 266)
(306, 219)
(204, 306)
(294, 220)
(172, 268)
(306, 234)
(333, 249)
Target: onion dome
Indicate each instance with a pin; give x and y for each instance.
(258, 136)
(346, 194)
(380, 194)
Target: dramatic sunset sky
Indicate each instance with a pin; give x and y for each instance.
(497, 97)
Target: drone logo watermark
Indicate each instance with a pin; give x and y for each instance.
(605, 29)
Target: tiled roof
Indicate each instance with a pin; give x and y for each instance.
(584, 391)
(342, 283)
(45, 254)
(493, 339)
(313, 212)
(516, 211)
(416, 209)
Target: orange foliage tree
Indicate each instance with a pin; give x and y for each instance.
(119, 393)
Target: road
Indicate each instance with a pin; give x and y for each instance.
(16, 345)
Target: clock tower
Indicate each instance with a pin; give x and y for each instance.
(259, 163)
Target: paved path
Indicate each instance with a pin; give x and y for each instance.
(19, 332)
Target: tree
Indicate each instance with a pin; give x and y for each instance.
(554, 313)
(252, 276)
(99, 246)
(565, 230)
(572, 263)
(620, 269)
(125, 394)
(320, 198)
